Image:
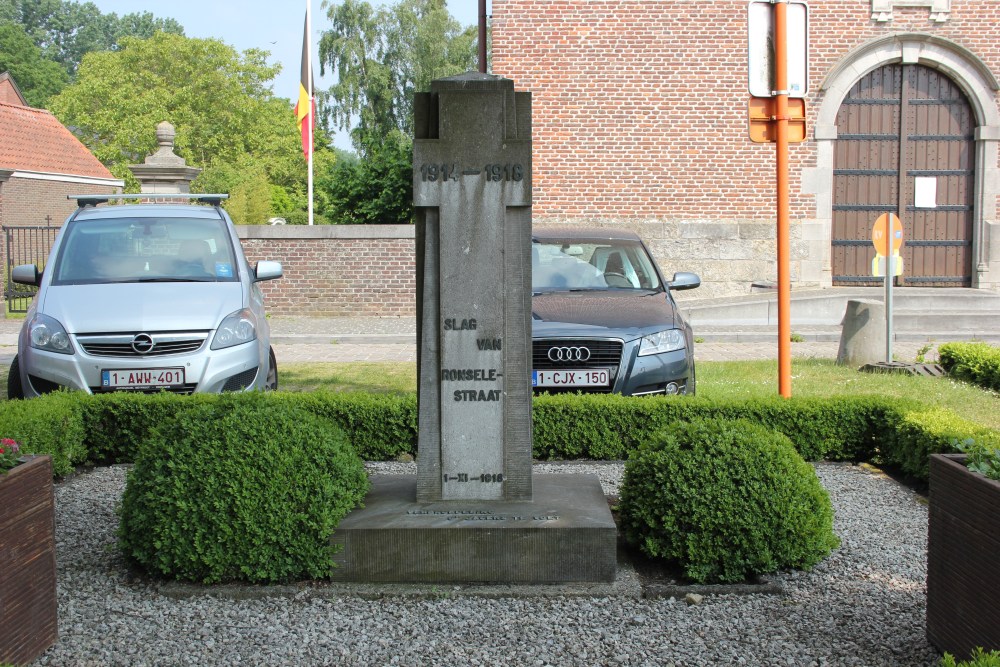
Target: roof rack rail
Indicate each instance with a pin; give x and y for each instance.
(93, 200)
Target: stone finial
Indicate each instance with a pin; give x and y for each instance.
(165, 134)
(165, 172)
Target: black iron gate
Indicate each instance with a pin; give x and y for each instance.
(25, 245)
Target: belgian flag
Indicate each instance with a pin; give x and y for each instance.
(305, 108)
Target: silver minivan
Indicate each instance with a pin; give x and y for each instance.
(145, 297)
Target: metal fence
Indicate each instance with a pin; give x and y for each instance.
(24, 245)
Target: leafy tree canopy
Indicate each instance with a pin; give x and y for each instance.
(375, 190)
(66, 30)
(37, 77)
(220, 101)
(382, 56)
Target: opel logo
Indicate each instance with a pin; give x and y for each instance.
(143, 343)
(566, 354)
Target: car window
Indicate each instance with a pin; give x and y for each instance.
(565, 265)
(115, 250)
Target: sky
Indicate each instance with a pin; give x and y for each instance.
(272, 25)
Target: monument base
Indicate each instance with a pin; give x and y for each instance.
(564, 534)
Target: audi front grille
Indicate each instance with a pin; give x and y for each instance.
(557, 353)
(561, 353)
(140, 345)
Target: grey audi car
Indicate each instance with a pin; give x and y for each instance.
(603, 318)
(145, 297)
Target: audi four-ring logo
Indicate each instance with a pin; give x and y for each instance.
(558, 354)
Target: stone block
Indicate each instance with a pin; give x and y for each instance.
(564, 533)
(862, 338)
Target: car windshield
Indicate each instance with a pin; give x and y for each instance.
(591, 265)
(146, 249)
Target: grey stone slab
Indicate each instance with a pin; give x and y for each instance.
(565, 533)
(472, 192)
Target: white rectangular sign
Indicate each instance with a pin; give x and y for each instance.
(925, 192)
(760, 48)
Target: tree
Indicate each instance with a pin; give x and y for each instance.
(220, 102)
(382, 56)
(36, 77)
(66, 30)
(375, 190)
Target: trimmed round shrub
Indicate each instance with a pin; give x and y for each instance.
(239, 487)
(725, 500)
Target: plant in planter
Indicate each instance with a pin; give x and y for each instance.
(9, 453)
(963, 550)
(27, 555)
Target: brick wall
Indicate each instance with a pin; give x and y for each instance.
(336, 270)
(639, 119)
(28, 201)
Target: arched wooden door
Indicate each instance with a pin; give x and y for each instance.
(921, 169)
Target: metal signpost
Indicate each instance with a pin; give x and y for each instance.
(887, 237)
(778, 46)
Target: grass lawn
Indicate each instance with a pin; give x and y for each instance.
(716, 379)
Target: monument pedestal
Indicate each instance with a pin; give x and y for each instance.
(565, 533)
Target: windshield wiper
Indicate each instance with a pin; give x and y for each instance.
(165, 279)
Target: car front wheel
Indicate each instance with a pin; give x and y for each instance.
(14, 389)
(271, 384)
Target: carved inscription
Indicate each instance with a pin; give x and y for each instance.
(482, 515)
(450, 171)
(493, 344)
(460, 325)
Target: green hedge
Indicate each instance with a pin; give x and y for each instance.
(978, 363)
(78, 428)
(725, 500)
(52, 425)
(239, 487)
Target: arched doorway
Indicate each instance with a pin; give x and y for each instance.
(905, 144)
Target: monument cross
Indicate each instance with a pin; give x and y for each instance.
(472, 192)
(473, 512)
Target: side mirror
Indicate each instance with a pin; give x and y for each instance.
(684, 280)
(26, 274)
(266, 270)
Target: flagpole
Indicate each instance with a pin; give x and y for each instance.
(312, 104)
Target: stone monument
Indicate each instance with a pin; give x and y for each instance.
(474, 512)
(472, 191)
(164, 172)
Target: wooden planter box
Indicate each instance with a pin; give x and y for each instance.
(963, 558)
(27, 562)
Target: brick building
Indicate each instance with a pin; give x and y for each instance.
(40, 163)
(640, 119)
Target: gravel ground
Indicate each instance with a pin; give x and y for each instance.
(863, 606)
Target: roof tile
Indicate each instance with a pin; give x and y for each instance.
(35, 140)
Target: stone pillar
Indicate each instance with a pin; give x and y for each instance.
(164, 172)
(862, 337)
(474, 512)
(472, 190)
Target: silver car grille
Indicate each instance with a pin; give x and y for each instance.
(141, 344)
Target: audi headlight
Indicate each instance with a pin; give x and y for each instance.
(236, 329)
(47, 333)
(662, 341)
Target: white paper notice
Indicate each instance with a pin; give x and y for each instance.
(925, 192)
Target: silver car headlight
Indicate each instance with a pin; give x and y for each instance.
(238, 328)
(46, 333)
(662, 341)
